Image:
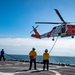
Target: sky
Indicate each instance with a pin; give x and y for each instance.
(17, 18)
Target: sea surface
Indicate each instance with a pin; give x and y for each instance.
(53, 59)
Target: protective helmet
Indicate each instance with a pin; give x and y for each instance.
(2, 49)
(33, 48)
(46, 50)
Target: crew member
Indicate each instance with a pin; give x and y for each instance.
(46, 59)
(33, 55)
(2, 55)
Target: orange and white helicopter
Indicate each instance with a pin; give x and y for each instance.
(63, 30)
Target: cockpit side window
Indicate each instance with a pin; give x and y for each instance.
(54, 28)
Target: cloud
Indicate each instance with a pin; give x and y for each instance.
(24, 41)
(23, 45)
(65, 43)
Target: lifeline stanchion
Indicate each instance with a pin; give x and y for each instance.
(53, 44)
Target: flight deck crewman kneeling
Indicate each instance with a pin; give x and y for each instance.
(46, 59)
(32, 55)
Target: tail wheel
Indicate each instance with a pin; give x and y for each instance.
(53, 38)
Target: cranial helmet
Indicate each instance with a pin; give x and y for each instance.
(33, 48)
(46, 50)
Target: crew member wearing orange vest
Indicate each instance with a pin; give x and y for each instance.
(46, 57)
(32, 55)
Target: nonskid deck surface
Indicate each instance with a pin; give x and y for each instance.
(22, 68)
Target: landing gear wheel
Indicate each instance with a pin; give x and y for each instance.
(72, 36)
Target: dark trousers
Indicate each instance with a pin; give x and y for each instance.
(46, 62)
(2, 56)
(32, 61)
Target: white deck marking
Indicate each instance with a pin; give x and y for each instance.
(1, 73)
(4, 73)
(56, 72)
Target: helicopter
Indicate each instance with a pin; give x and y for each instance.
(65, 29)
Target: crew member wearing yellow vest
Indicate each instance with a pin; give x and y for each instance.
(32, 55)
(46, 57)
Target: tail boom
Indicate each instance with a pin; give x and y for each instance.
(36, 35)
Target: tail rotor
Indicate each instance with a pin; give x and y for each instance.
(34, 28)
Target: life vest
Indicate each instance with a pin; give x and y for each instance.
(32, 54)
(46, 56)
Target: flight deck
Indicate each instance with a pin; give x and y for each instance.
(22, 68)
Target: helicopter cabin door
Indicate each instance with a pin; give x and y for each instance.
(63, 30)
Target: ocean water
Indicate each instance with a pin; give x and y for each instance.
(53, 59)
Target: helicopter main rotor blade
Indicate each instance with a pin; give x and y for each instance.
(48, 23)
(59, 15)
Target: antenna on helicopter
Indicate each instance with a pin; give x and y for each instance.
(34, 28)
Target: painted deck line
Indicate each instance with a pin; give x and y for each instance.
(56, 73)
(1, 73)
